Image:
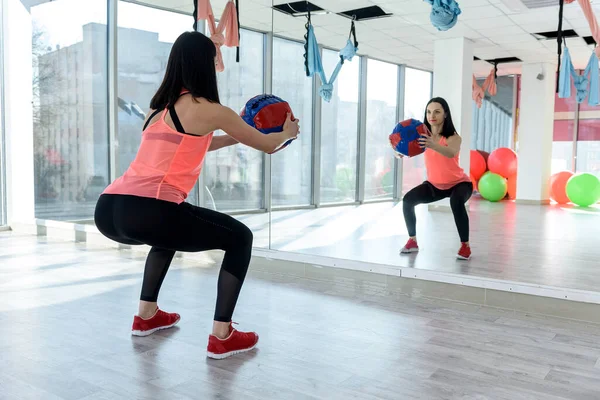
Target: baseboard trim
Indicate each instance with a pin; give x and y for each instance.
(533, 202)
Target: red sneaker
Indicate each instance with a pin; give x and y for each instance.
(160, 320)
(237, 342)
(464, 253)
(410, 247)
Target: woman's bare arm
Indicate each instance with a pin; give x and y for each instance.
(218, 142)
(452, 148)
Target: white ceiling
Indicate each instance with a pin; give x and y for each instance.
(408, 36)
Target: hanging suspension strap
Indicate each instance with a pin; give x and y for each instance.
(237, 14)
(559, 40)
(226, 33)
(587, 84)
(314, 64)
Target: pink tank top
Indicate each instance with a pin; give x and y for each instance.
(167, 165)
(443, 172)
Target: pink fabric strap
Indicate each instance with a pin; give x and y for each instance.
(489, 84)
(226, 33)
(478, 93)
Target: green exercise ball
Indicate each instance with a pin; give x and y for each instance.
(583, 189)
(492, 187)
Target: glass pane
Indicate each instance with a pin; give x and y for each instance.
(291, 168)
(588, 146)
(339, 132)
(417, 92)
(234, 176)
(70, 118)
(382, 93)
(588, 139)
(2, 169)
(568, 105)
(562, 145)
(146, 36)
(564, 129)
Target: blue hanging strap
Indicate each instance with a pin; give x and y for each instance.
(313, 59)
(346, 54)
(314, 64)
(587, 84)
(350, 49)
(564, 77)
(593, 98)
(444, 13)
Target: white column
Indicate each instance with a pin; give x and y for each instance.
(452, 80)
(18, 73)
(536, 124)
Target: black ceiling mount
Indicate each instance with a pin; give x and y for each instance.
(589, 40)
(497, 61)
(504, 60)
(297, 8)
(554, 34)
(362, 14)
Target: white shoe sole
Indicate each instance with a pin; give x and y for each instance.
(151, 331)
(229, 354)
(408, 251)
(459, 257)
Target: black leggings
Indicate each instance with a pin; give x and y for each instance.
(427, 193)
(169, 227)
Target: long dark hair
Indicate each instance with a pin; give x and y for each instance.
(191, 66)
(448, 128)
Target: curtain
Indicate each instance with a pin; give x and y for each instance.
(491, 127)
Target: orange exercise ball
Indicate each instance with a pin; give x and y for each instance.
(478, 165)
(485, 155)
(558, 187)
(512, 187)
(503, 161)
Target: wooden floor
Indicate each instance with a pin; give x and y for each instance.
(542, 245)
(66, 310)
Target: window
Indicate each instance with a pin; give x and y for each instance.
(417, 92)
(339, 132)
(382, 94)
(145, 38)
(588, 146)
(234, 176)
(564, 129)
(562, 145)
(2, 140)
(291, 168)
(588, 140)
(70, 114)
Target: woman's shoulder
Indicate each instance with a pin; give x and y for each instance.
(454, 136)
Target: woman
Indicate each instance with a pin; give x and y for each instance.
(445, 177)
(147, 204)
